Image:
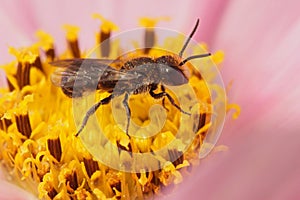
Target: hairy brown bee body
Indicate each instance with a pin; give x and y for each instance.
(134, 76)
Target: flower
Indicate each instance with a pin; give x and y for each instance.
(40, 151)
(38, 145)
(260, 40)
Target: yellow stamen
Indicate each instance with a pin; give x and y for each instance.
(37, 143)
(54, 147)
(106, 26)
(26, 55)
(71, 32)
(90, 166)
(104, 36)
(10, 75)
(46, 41)
(175, 156)
(218, 57)
(23, 125)
(27, 58)
(237, 109)
(151, 22)
(72, 38)
(150, 37)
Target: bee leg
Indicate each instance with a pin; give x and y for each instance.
(165, 94)
(92, 110)
(163, 100)
(128, 112)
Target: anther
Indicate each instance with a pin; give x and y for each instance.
(176, 157)
(26, 58)
(71, 181)
(91, 166)
(52, 193)
(47, 43)
(150, 37)
(4, 124)
(72, 39)
(54, 147)
(105, 32)
(23, 125)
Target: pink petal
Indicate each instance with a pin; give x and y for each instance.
(257, 166)
(11, 192)
(2, 79)
(261, 44)
(261, 41)
(11, 34)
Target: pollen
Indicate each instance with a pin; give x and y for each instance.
(106, 26)
(72, 39)
(150, 36)
(151, 22)
(26, 55)
(71, 32)
(39, 149)
(46, 41)
(103, 37)
(236, 108)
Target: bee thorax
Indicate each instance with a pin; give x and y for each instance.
(142, 89)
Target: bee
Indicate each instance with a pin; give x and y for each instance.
(134, 76)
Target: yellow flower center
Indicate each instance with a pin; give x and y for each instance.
(38, 147)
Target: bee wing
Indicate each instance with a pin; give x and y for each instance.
(77, 62)
(87, 72)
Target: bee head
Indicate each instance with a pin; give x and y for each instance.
(170, 71)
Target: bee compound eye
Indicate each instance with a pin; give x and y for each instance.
(172, 76)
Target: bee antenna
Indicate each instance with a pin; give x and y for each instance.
(189, 38)
(194, 57)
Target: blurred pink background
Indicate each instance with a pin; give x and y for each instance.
(261, 44)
